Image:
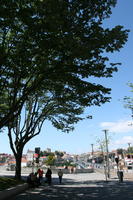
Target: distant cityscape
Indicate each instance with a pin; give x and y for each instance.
(46, 157)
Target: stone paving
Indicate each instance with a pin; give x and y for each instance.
(90, 186)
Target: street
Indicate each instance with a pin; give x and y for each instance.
(80, 186)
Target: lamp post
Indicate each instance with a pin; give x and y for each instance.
(107, 155)
(92, 151)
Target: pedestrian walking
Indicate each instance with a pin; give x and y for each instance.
(49, 176)
(121, 176)
(72, 169)
(120, 173)
(60, 174)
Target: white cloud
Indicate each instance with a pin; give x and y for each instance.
(121, 143)
(124, 140)
(121, 126)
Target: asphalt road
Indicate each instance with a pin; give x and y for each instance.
(90, 186)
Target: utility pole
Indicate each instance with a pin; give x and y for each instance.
(92, 151)
(107, 154)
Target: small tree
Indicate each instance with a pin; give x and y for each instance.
(102, 144)
(50, 161)
(130, 150)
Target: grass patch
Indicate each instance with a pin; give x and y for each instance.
(8, 182)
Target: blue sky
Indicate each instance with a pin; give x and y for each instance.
(112, 116)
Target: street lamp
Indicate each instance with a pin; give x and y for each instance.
(107, 155)
(92, 151)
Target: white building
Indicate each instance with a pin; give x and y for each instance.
(30, 155)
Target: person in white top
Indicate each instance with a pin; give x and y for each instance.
(60, 174)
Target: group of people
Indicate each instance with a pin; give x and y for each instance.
(35, 179)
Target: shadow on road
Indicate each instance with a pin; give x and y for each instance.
(80, 190)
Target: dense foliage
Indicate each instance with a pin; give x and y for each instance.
(55, 46)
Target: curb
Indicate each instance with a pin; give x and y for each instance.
(8, 193)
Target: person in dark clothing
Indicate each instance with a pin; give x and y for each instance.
(49, 176)
(120, 176)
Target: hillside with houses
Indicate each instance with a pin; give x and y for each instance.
(61, 159)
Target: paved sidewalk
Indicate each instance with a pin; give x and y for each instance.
(81, 187)
(11, 192)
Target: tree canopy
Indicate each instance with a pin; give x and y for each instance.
(55, 46)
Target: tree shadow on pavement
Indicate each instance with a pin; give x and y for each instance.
(80, 190)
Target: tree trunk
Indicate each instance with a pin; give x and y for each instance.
(18, 158)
